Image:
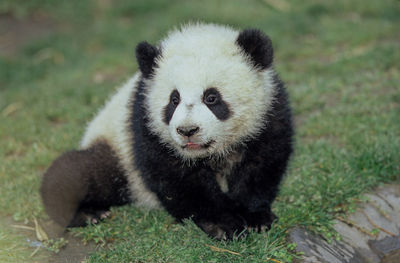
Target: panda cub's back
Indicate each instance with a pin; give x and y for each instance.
(111, 125)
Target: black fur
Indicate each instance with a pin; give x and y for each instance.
(79, 185)
(193, 192)
(220, 108)
(146, 55)
(170, 108)
(258, 46)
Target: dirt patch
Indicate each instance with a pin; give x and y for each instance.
(74, 251)
(16, 33)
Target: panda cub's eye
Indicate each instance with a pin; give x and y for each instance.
(175, 101)
(175, 98)
(210, 99)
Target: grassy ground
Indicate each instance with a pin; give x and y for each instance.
(340, 60)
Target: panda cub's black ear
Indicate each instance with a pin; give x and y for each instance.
(257, 46)
(146, 57)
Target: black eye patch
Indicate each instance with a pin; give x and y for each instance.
(174, 100)
(213, 100)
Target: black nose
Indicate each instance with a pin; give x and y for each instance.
(187, 130)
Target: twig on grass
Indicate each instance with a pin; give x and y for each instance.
(34, 252)
(274, 260)
(217, 249)
(24, 227)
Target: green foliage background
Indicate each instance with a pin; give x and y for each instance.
(339, 59)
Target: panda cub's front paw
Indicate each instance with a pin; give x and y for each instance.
(227, 229)
(260, 221)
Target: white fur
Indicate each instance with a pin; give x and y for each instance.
(193, 59)
(112, 125)
(225, 169)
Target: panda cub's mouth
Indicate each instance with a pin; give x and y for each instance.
(196, 146)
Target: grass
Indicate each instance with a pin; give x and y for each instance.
(340, 61)
(13, 249)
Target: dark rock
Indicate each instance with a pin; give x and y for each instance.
(370, 235)
(316, 249)
(385, 246)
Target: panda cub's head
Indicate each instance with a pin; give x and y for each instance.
(208, 88)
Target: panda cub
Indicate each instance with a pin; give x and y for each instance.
(203, 130)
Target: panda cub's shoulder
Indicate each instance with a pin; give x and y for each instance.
(112, 126)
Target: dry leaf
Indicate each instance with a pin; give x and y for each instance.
(217, 249)
(40, 233)
(10, 109)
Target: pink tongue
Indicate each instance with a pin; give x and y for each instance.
(192, 145)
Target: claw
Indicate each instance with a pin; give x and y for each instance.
(105, 215)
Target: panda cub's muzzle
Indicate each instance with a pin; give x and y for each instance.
(191, 139)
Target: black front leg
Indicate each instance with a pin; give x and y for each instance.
(256, 203)
(196, 195)
(255, 187)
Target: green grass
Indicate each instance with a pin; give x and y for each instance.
(340, 61)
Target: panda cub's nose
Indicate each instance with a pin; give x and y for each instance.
(187, 130)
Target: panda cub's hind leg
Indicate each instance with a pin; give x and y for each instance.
(80, 186)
